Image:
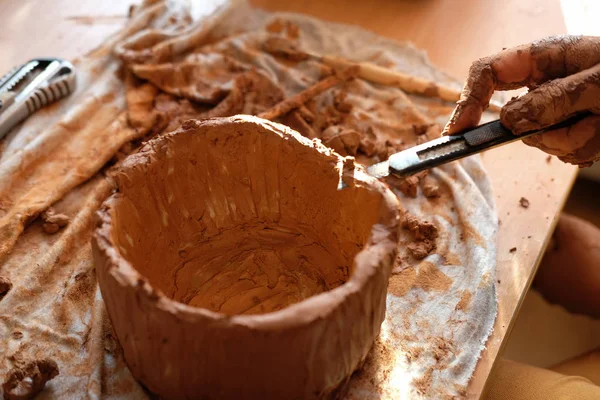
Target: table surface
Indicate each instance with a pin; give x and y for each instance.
(453, 32)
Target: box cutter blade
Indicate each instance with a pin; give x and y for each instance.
(450, 148)
(34, 85)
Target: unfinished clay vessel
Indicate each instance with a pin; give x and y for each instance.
(235, 266)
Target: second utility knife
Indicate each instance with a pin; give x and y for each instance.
(450, 148)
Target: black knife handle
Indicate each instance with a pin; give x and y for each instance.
(495, 132)
(454, 147)
(485, 133)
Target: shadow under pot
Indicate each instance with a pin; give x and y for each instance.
(234, 264)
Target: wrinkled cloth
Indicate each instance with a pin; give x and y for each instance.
(441, 305)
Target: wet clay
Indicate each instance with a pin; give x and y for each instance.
(237, 241)
(421, 229)
(52, 221)
(5, 286)
(424, 234)
(256, 268)
(26, 382)
(224, 215)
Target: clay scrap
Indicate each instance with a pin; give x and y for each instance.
(424, 234)
(52, 221)
(24, 383)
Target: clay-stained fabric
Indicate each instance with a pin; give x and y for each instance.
(441, 305)
(54, 309)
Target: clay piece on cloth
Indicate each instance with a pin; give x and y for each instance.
(441, 301)
(26, 382)
(233, 266)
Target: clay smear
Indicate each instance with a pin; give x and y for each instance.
(425, 276)
(465, 300)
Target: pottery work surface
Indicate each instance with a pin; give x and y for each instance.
(441, 299)
(244, 231)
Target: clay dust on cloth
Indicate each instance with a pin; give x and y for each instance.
(441, 301)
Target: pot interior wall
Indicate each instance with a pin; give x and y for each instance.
(240, 219)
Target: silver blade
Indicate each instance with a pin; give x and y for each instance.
(379, 170)
(442, 150)
(451, 148)
(8, 82)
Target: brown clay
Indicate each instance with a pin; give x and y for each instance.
(424, 234)
(26, 382)
(5, 286)
(140, 103)
(420, 229)
(53, 221)
(342, 140)
(280, 46)
(252, 93)
(301, 98)
(280, 26)
(228, 272)
(205, 78)
(409, 186)
(420, 249)
(431, 190)
(465, 300)
(430, 187)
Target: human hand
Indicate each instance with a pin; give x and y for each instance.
(563, 75)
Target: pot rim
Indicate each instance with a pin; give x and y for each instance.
(302, 313)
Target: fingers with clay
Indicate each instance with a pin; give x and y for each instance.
(578, 144)
(563, 74)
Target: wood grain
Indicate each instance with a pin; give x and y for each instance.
(454, 32)
(55, 28)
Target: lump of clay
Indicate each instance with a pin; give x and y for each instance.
(26, 382)
(52, 221)
(424, 234)
(344, 141)
(233, 266)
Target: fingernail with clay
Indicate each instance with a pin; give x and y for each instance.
(449, 128)
(515, 115)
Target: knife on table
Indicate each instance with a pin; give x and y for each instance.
(451, 148)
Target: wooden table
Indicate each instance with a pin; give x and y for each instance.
(454, 32)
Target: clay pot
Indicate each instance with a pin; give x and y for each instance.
(234, 266)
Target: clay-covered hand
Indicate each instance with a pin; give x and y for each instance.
(563, 75)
